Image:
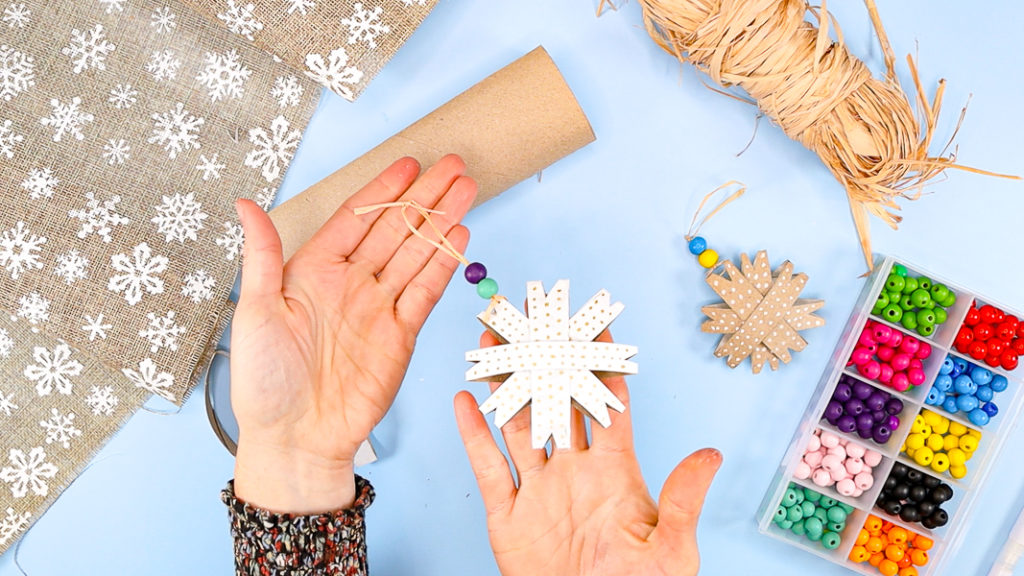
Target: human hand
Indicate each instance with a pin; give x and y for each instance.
(585, 510)
(320, 345)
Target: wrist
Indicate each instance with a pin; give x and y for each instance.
(290, 481)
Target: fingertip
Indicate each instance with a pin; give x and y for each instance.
(454, 161)
(488, 339)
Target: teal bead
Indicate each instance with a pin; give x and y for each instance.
(780, 514)
(814, 527)
(487, 288)
(846, 508)
(789, 498)
(799, 494)
(786, 524)
(821, 514)
(798, 528)
(836, 514)
(899, 269)
(812, 495)
(831, 540)
(808, 508)
(827, 502)
(836, 526)
(795, 513)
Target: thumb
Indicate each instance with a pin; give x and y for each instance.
(681, 500)
(263, 263)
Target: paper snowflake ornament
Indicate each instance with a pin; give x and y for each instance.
(761, 314)
(550, 361)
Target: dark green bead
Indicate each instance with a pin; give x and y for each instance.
(940, 315)
(925, 317)
(924, 283)
(909, 321)
(906, 303)
(909, 284)
(899, 269)
(893, 313)
(487, 288)
(895, 283)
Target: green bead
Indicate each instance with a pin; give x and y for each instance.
(909, 321)
(786, 524)
(882, 301)
(950, 301)
(487, 288)
(798, 528)
(895, 283)
(894, 297)
(808, 508)
(831, 540)
(920, 298)
(940, 315)
(909, 284)
(893, 313)
(899, 269)
(926, 329)
(836, 514)
(780, 514)
(811, 495)
(924, 283)
(795, 513)
(906, 303)
(827, 502)
(939, 292)
(925, 317)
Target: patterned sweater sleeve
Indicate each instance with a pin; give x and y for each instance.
(269, 544)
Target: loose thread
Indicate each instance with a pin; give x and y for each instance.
(444, 245)
(694, 225)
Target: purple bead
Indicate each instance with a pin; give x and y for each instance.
(475, 272)
(865, 421)
(853, 407)
(893, 423)
(875, 402)
(843, 392)
(865, 433)
(881, 434)
(846, 423)
(894, 406)
(879, 416)
(862, 391)
(833, 411)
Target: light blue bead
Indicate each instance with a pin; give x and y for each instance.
(999, 383)
(947, 366)
(959, 367)
(981, 375)
(950, 405)
(966, 403)
(984, 393)
(963, 384)
(944, 382)
(933, 396)
(698, 245)
(978, 417)
(940, 397)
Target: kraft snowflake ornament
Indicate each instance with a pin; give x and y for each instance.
(550, 360)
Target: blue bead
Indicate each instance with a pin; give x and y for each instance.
(991, 409)
(950, 405)
(978, 417)
(698, 245)
(964, 385)
(999, 383)
(944, 382)
(959, 367)
(933, 396)
(984, 393)
(981, 375)
(947, 366)
(966, 403)
(940, 397)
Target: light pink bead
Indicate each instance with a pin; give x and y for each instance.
(854, 466)
(885, 353)
(900, 382)
(923, 351)
(803, 471)
(864, 481)
(857, 493)
(813, 459)
(910, 345)
(846, 487)
(814, 443)
(832, 463)
(916, 376)
(895, 339)
(900, 362)
(860, 355)
(829, 439)
(872, 458)
(855, 450)
(839, 475)
(838, 451)
(821, 478)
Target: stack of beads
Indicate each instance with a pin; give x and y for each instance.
(941, 444)
(913, 301)
(707, 257)
(914, 496)
(886, 355)
(812, 515)
(829, 460)
(967, 388)
(476, 273)
(991, 335)
(860, 407)
(894, 550)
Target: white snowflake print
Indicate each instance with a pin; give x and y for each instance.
(96, 327)
(103, 401)
(150, 378)
(99, 217)
(71, 266)
(6, 343)
(8, 139)
(19, 250)
(163, 20)
(116, 151)
(264, 198)
(33, 308)
(209, 167)
(123, 96)
(179, 217)
(198, 286)
(17, 72)
(60, 428)
(365, 25)
(113, 5)
(40, 183)
(12, 524)
(240, 19)
(53, 370)
(88, 49)
(162, 332)
(274, 149)
(231, 240)
(549, 361)
(416, 2)
(67, 119)
(299, 6)
(287, 91)
(335, 74)
(139, 274)
(17, 15)
(223, 75)
(176, 130)
(163, 65)
(27, 472)
(6, 405)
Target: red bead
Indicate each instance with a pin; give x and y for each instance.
(977, 350)
(1008, 360)
(965, 335)
(961, 347)
(990, 314)
(993, 361)
(996, 347)
(1006, 331)
(1018, 346)
(983, 331)
(973, 317)
(1020, 330)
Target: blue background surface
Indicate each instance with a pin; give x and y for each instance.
(610, 216)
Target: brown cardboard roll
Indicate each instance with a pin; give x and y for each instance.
(508, 127)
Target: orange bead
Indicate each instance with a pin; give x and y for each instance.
(923, 542)
(905, 561)
(876, 559)
(908, 571)
(862, 537)
(873, 525)
(919, 557)
(897, 535)
(859, 554)
(895, 552)
(886, 526)
(888, 567)
(874, 545)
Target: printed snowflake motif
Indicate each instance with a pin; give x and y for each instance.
(287, 91)
(365, 25)
(415, 2)
(176, 130)
(40, 183)
(179, 218)
(149, 377)
(139, 274)
(162, 332)
(71, 266)
(67, 119)
(19, 250)
(113, 5)
(6, 343)
(163, 20)
(16, 15)
(548, 360)
(335, 74)
(123, 96)
(240, 19)
(99, 217)
(299, 6)
(209, 167)
(8, 139)
(33, 308)
(6, 405)
(60, 428)
(96, 327)
(103, 401)
(231, 240)
(12, 525)
(88, 49)
(27, 472)
(264, 198)
(17, 72)
(198, 286)
(224, 75)
(163, 65)
(115, 152)
(53, 369)
(273, 149)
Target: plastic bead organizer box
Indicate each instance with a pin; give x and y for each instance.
(903, 428)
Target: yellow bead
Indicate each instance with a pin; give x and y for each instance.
(956, 457)
(968, 443)
(708, 258)
(923, 456)
(926, 430)
(931, 418)
(910, 452)
(942, 427)
(935, 443)
(975, 433)
(950, 441)
(915, 441)
(958, 472)
(918, 426)
(940, 463)
(957, 429)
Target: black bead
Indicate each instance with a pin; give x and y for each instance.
(899, 470)
(930, 482)
(909, 513)
(942, 493)
(940, 517)
(892, 507)
(900, 492)
(927, 508)
(890, 483)
(913, 476)
(918, 493)
(929, 523)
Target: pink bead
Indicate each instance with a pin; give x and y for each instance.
(896, 339)
(846, 487)
(854, 466)
(839, 475)
(866, 339)
(910, 345)
(900, 382)
(839, 451)
(900, 362)
(882, 333)
(821, 478)
(885, 376)
(857, 493)
(860, 356)
(885, 353)
(924, 350)
(829, 439)
(813, 459)
(814, 443)
(916, 363)
(802, 472)
(864, 481)
(872, 458)
(916, 376)
(855, 450)
(870, 369)
(832, 463)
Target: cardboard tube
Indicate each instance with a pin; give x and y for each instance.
(508, 127)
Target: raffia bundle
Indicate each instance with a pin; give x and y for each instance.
(863, 128)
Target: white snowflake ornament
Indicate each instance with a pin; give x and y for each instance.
(549, 360)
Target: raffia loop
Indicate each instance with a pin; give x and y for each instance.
(862, 128)
(442, 244)
(695, 226)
